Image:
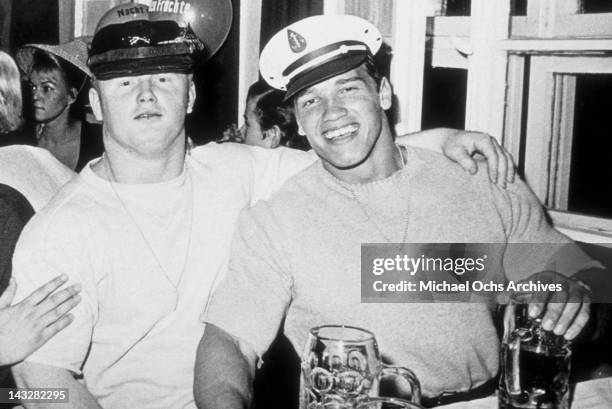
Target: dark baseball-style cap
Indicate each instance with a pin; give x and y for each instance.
(317, 48)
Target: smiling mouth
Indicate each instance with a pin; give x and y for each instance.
(147, 115)
(340, 133)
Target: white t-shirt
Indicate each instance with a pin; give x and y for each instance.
(136, 330)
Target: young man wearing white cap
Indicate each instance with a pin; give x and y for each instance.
(146, 228)
(297, 256)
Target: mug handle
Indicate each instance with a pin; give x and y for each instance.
(408, 375)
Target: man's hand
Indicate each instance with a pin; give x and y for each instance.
(461, 146)
(566, 312)
(26, 326)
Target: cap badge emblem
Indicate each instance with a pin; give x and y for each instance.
(136, 39)
(297, 43)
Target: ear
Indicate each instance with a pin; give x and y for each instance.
(96, 105)
(300, 129)
(385, 94)
(273, 136)
(72, 95)
(191, 96)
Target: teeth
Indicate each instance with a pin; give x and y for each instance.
(340, 131)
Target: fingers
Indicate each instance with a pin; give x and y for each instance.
(58, 313)
(536, 307)
(580, 321)
(8, 294)
(502, 168)
(555, 309)
(487, 146)
(44, 291)
(463, 158)
(511, 167)
(58, 301)
(56, 327)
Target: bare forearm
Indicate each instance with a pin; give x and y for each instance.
(223, 372)
(432, 139)
(30, 375)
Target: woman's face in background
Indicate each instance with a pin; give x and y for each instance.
(50, 95)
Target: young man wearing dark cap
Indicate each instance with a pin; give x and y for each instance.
(146, 228)
(297, 257)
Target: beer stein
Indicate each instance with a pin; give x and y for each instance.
(386, 403)
(535, 364)
(341, 365)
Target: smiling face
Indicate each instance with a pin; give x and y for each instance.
(144, 114)
(344, 120)
(51, 95)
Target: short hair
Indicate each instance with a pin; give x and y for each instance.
(271, 109)
(43, 61)
(46, 62)
(10, 94)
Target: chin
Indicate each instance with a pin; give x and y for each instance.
(346, 163)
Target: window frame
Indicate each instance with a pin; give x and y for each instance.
(495, 56)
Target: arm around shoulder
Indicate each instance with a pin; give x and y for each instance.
(34, 375)
(224, 371)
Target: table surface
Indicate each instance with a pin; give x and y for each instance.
(593, 394)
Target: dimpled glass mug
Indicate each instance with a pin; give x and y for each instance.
(386, 403)
(341, 366)
(535, 364)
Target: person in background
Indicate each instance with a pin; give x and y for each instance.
(26, 326)
(10, 98)
(57, 75)
(268, 121)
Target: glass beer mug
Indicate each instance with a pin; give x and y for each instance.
(386, 403)
(341, 365)
(535, 364)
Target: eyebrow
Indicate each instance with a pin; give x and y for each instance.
(340, 81)
(350, 79)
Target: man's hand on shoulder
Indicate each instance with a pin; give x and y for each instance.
(461, 147)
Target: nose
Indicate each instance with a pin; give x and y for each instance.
(35, 94)
(146, 92)
(334, 109)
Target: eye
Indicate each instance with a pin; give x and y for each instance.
(348, 89)
(47, 88)
(309, 102)
(125, 83)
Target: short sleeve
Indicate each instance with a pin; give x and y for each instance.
(44, 252)
(272, 167)
(252, 299)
